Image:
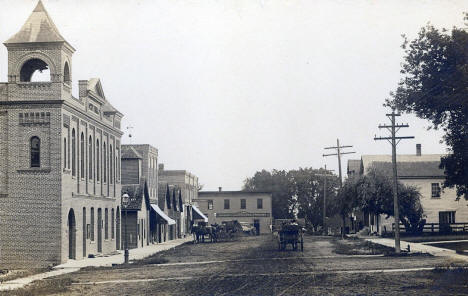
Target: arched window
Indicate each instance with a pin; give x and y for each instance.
(66, 73)
(73, 153)
(106, 224)
(112, 224)
(82, 156)
(90, 157)
(111, 167)
(98, 152)
(117, 162)
(35, 152)
(64, 153)
(35, 70)
(92, 224)
(104, 158)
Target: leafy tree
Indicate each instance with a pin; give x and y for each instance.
(277, 183)
(373, 193)
(435, 87)
(308, 188)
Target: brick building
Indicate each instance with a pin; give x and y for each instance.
(59, 155)
(249, 207)
(187, 183)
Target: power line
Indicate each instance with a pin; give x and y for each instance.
(394, 140)
(325, 176)
(338, 154)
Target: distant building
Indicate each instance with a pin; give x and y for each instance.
(59, 155)
(187, 184)
(140, 182)
(166, 227)
(423, 172)
(250, 207)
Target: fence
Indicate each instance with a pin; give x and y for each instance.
(440, 227)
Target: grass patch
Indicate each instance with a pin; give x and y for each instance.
(43, 287)
(356, 246)
(8, 275)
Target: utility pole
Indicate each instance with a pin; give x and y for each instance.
(393, 129)
(325, 176)
(338, 154)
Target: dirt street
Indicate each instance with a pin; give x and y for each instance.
(254, 266)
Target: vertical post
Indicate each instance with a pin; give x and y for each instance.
(325, 203)
(126, 239)
(395, 188)
(339, 161)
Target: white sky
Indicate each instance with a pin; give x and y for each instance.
(226, 88)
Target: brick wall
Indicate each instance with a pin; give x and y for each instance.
(130, 171)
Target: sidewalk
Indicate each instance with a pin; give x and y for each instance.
(75, 265)
(419, 247)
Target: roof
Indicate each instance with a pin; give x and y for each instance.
(138, 193)
(39, 27)
(128, 152)
(408, 166)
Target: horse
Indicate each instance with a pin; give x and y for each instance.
(200, 231)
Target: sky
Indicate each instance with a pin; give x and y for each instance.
(227, 88)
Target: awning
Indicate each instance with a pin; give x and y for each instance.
(163, 215)
(197, 214)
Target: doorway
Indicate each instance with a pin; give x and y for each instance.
(71, 235)
(99, 231)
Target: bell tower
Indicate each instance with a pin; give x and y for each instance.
(39, 53)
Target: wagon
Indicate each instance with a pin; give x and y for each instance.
(290, 234)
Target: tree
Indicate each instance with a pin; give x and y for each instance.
(277, 183)
(435, 87)
(373, 193)
(307, 188)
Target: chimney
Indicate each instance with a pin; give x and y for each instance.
(418, 149)
(161, 166)
(220, 189)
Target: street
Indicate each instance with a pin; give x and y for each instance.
(254, 266)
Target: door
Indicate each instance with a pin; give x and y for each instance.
(117, 224)
(99, 231)
(257, 226)
(84, 233)
(71, 235)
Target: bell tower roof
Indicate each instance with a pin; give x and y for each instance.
(39, 27)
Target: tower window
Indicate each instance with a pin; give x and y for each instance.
(35, 70)
(90, 157)
(66, 73)
(98, 152)
(35, 152)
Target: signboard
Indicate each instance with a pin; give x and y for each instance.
(242, 214)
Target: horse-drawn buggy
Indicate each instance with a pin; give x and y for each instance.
(228, 230)
(290, 232)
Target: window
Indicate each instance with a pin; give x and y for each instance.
(35, 70)
(64, 153)
(82, 156)
(98, 151)
(210, 204)
(104, 158)
(226, 204)
(66, 73)
(35, 152)
(447, 217)
(92, 224)
(243, 204)
(73, 153)
(435, 190)
(117, 161)
(111, 166)
(259, 203)
(106, 224)
(112, 224)
(90, 158)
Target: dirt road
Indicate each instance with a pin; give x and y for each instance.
(254, 266)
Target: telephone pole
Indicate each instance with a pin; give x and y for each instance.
(325, 176)
(338, 154)
(393, 129)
